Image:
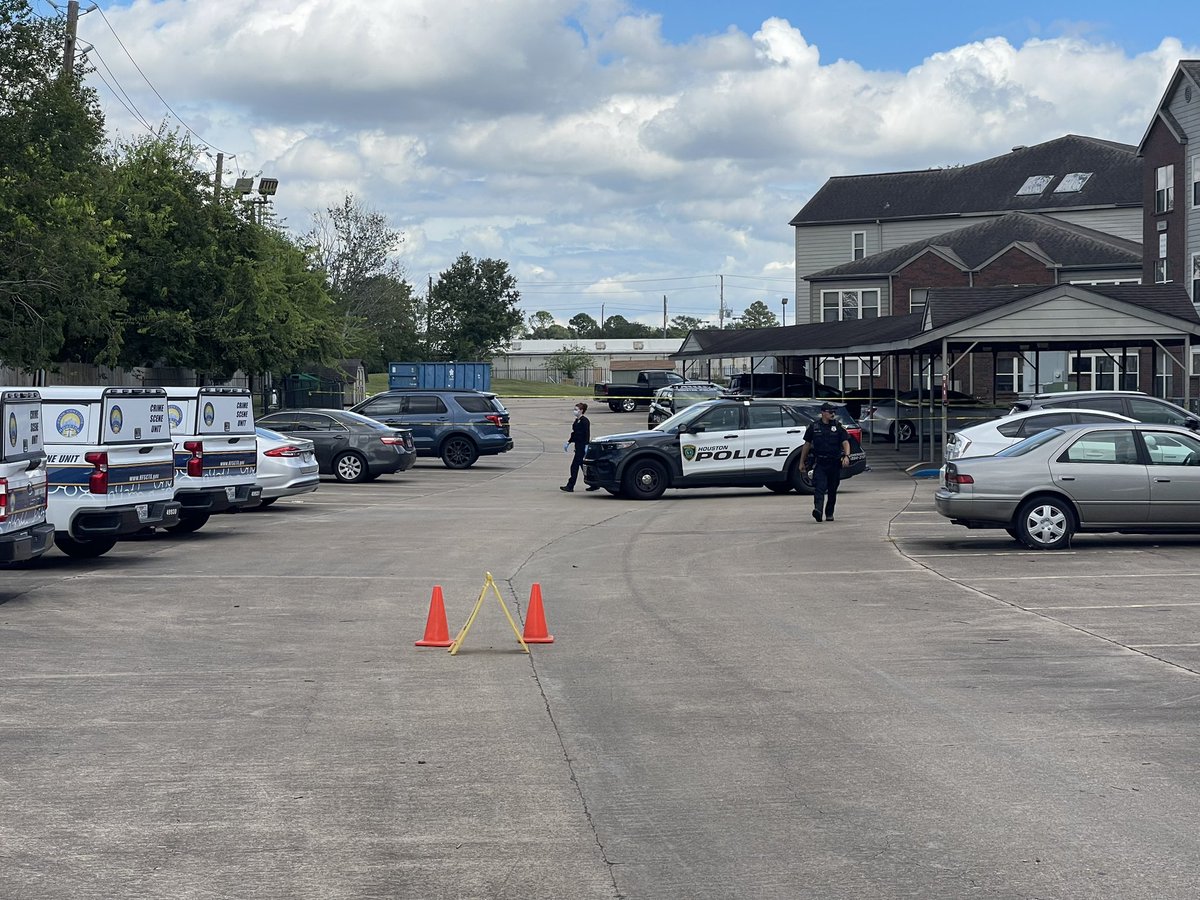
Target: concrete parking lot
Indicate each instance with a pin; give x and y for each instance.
(739, 703)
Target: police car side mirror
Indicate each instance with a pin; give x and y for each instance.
(694, 429)
(1191, 422)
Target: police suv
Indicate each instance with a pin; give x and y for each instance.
(24, 532)
(734, 442)
(110, 465)
(216, 452)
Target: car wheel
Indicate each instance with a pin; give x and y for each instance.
(645, 479)
(628, 405)
(82, 548)
(779, 487)
(188, 523)
(1045, 523)
(459, 453)
(614, 405)
(800, 479)
(907, 432)
(349, 468)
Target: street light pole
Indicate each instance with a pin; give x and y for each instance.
(785, 299)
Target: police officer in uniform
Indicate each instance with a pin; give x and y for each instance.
(829, 445)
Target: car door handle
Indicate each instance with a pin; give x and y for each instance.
(795, 431)
(1066, 477)
(1163, 480)
(730, 437)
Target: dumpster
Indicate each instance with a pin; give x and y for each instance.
(434, 375)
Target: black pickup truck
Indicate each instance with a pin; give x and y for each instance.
(627, 397)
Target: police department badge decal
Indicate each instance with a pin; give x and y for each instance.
(116, 419)
(12, 429)
(210, 414)
(689, 452)
(69, 423)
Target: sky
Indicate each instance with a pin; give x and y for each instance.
(615, 153)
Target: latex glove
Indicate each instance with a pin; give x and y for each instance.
(566, 446)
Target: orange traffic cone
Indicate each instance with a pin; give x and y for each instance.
(535, 619)
(437, 633)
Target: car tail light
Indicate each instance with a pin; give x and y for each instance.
(98, 480)
(3, 499)
(855, 433)
(393, 441)
(195, 465)
(955, 478)
(495, 420)
(287, 451)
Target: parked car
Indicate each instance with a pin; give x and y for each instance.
(1133, 478)
(348, 446)
(858, 399)
(990, 437)
(902, 414)
(1134, 404)
(678, 397)
(717, 443)
(627, 396)
(778, 384)
(457, 425)
(287, 465)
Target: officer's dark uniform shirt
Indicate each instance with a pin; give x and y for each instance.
(581, 433)
(826, 440)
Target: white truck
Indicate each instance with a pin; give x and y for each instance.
(111, 467)
(216, 452)
(24, 532)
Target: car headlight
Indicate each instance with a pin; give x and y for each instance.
(609, 446)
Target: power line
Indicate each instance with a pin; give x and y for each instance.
(130, 106)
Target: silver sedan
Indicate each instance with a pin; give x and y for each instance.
(1137, 478)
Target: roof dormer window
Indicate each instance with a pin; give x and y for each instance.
(1072, 183)
(1034, 185)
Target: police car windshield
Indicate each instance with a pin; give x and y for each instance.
(686, 416)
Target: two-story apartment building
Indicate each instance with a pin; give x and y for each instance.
(1171, 184)
(1084, 181)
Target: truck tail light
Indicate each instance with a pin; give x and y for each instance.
(287, 452)
(3, 499)
(98, 480)
(195, 465)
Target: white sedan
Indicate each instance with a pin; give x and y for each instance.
(989, 438)
(286, 466)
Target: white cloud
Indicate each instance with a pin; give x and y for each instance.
(572, 140)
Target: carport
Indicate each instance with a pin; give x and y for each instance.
(959, 323)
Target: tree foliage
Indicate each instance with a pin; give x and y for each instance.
(757, 315)
(569, 360)
(473, 310)
(582, 325)
(543, 327)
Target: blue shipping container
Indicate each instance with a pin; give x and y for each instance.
(474, 375)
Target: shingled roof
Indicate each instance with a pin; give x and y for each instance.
(985, 187)
(1189, 69)
(1070, 246)
(947, 305)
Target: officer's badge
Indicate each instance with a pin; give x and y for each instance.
(689, 452)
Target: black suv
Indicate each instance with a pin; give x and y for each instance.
(716, 443)
(457, 425)
(1134, 404)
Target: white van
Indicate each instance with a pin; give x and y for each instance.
(110, 462)
(24, 532)
(216, 452)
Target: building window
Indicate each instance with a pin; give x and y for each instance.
(1196, 277)
(1073, 183)
(1164, 381)
(1161, 272)
(1164, 189)
(1195, 181)
(858, 244)
(1100, 371)
(929, 379)
(1034, 185)
(848, 374)
(842, 306)
(1010, 375)
(917, 298)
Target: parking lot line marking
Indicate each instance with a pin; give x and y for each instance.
(1089, 575)
(1136, 646)
(1113, 606)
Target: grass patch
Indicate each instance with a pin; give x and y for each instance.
(505, 387)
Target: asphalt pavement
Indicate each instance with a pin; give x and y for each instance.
(739, 702)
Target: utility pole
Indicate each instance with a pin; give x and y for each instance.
(601, 320)
(721, 308)
(664, 315)
(217, 179)
(68, 66)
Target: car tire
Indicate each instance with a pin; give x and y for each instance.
(908, 433)
(349, 468)
(1045, 523)
(644, 479)
(83, 548)
(614, 405)
(800, 479)
(629, 405)
(1015, 535)
(188, 523)
(779, 487)
(459, 452)
(616, 492)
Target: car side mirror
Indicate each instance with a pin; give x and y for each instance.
(695, 429)
(1191, 422)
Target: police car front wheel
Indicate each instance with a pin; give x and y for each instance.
(644, 480)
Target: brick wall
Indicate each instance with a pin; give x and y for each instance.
(926, 271)
(1014, 266)
(1162, 149)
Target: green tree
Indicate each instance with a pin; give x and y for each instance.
(569, 360)
(355, 246)
(757, 315)
(543, 327)
(582, 325)
(620, 327)
(59, 278)
(473, 310)
(681, 325)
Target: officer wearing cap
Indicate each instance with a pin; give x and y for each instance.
(828, 443)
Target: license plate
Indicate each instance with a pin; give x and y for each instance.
(143, 511)
(231, 493)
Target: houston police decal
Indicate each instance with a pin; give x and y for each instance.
(689, 452)
(175, 415)
(69, 423)
(116, 419)
(210, 414)
(12, 429)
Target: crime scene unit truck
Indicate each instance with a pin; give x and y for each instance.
(216, 452)
(110, 465)
(24, 532)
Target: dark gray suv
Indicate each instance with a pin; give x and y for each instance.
(1134, 404)
(457, 425)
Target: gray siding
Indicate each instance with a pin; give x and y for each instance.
(1066, 318)
(881, 285)
(1187, 114)
(1124, 223)
(824, 246)
(1132, 275)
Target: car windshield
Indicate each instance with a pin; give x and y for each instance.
(1031, 443)
(685, 417)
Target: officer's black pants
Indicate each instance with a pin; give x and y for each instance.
(576, 462)
(826, 477)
